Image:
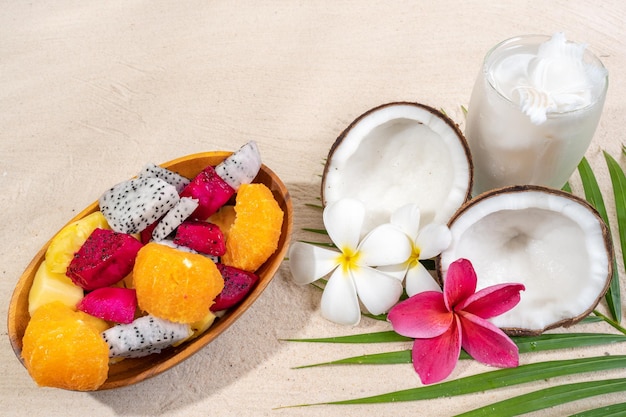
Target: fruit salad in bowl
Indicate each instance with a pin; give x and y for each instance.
(150, 273)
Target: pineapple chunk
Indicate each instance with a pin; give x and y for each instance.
(50, 286)
(69, 239)
(198, 327)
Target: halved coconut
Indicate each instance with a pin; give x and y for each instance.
(551, 241)
(396, 154)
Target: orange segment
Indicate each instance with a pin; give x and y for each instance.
(63, 348)
(254, 235)
(224, 219)
(175, 285)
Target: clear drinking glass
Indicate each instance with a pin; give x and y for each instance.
(507, 147)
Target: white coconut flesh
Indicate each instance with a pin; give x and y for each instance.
(550, 241)
(396, 154)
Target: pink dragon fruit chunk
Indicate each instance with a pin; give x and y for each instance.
(144, 336)
(211, 191)
(241, 167)
(133, 205)
(111, 304)
(203, 237)
(177, 214)
(105, 258)
(151, 170)
(146, 234)
(237, 284)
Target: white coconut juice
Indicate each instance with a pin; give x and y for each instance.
(533, 111)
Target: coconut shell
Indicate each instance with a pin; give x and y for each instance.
(606, 235)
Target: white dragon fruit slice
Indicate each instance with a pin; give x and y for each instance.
(177, 214)
(151, 170)
(241, 167)
(132, 205)
(144, 336)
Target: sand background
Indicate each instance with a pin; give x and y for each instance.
(90, 91)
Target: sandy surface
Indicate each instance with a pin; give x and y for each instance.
(90, 91)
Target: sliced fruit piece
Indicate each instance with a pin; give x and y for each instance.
(145, 235)
(151, 170)
(211, 191)
(175, 285)
(241, 167)
(133, 205)
(126, 282)
(51, 286)
(62, 348)
(171, 244)
(551, 241)
(203, 237)
(237, 284)
(224, 219)
(177, 214)
(105, 258)
(144, 336)
(69, 239)
(199, 327)
(396, 154)
(114, 304)
(256, 230)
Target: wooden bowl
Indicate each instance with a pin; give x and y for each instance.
(130, 371)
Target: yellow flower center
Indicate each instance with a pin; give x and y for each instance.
(415, 256)
(348, 259)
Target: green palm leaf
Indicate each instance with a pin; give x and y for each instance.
(613, 410)
(594, 197)
(548, 397)
(525, 345)
(494, 379)
(618, 180)
(322, 244)
(318, 231)
(385, 358)
(567, 188)
(377, 337)
(609, 321)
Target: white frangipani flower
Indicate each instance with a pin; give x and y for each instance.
(352, 272)
(427, 243)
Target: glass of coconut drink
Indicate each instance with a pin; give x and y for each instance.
(533, 111)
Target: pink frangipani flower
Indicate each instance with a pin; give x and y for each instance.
(443, 323)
